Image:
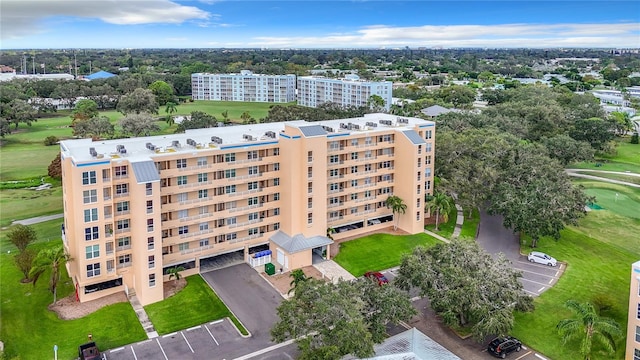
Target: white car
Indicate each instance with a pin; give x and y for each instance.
(541, 258)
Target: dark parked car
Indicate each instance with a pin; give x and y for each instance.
(378, 276)
(501, 347)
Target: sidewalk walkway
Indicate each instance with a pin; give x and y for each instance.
(331, 270)
(456, 230)
(36, 220)
(143, 317)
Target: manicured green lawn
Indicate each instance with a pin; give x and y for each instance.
(48, 231)
(611, 228)
(594, 268)
(470, 225)
(257, 110)
(29, 330)
(378, 251)
(23, 203)
(445, 228)
(616, 201)
(626, 159)
(193, 305)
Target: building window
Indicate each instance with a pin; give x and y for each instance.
(427, 160)
(310, 218)
(427, 134)
(203, 226)
(183, 230)
(253, 170)
(354, 196)
(354, 169)
(231, 220)
(203, 177)
(122, 189)
(232, 236)
(181, 163)
(636, 354)
(122, 206)
(90, 215)
(202, 161)
(124, 242)
(121, 171)
(110, 266)
(637, 333)
(90, 196)
(183, 246)
(151, 244)
(152, 261)
(149, 206)
(148, 188)
(253, 216)
(88, 177)
(253, 231)
(230, 157)
(418, 216)
(181, 197)
(252, 201)
(310, 156)
(203, 193)
(276, 182)
(204, 242)
(122, 224)
(152, 280)
(91, 233)
(276, 167)
(252, 185)
(354, 210)
(354, 156)
(92, 251)
(230, 189)
(354, 182)
(182, 180)
(427, 185)
(230, 173)
(276, 226)
(354, 142)
(276, 151)
(93, 270)
(334, 159)
(124, 260)
(276, 196)
(638, 314)
(276, 211)
(149, 225)
(252, 155)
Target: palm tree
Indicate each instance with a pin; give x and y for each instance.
(49, 259)
(589, 326)
(298, 276)
(397, 205)
(225, 116)
(438, 203)
(175, 272)
(170, 109)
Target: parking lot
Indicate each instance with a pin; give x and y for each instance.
(208, 341)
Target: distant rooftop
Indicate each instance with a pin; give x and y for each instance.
(229, 137)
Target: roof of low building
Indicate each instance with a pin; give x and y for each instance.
(436, 110)
(299, 242)
(100, 75)
(410, 345)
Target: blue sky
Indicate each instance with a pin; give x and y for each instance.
(317, 24)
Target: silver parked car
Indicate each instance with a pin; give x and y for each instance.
(541, 258)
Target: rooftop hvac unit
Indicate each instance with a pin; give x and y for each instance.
(216, 140)
(356, 126)
(270, 134)
(122, 150)
(118, 147)
(248, 137)
(386, 122)
(343, 126)
(402, 120)
(371, 124)
(93, 151)
(175, 143)
(191, 142)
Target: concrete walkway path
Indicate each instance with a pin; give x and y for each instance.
(593, 177)
(331, 270)
(459, 221)
(142, 316)
(431, 233)
(39, 219)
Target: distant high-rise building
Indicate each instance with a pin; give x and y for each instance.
(349, 91)
(245, 86)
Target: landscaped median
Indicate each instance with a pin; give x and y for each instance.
(195, 304)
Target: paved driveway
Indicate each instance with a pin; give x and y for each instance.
(495, 238)
(250, 298)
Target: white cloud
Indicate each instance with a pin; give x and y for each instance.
(504, 35)
(25, 17)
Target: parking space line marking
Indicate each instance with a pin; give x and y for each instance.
(161, 349)
(266, 350)
(134, 353)
(537, 273)
(172, 334)
(530, 292)
(542, 288)
(214, 339)
(557, 272)
(532, 281)
(541, 357)
(118, 349)
(216, 322)
(524, 347)
(550, 281)
(523, 355)
(187, 341)
(195, 327)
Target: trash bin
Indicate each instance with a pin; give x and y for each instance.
(269, 268)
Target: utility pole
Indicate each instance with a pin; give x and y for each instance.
(33, 64)
(75, 62)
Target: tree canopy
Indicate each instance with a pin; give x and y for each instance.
(138, 101)
(163, 91)
(341, 318)
(138, 124)
(466, 286)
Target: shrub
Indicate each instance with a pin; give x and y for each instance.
(634, 138)
(51, 140)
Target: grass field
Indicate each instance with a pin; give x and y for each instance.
(29, 330)
(378, 251)
(626, 159)
(257, 110)
(193, 305)
(469, 226)
(594, 268)
(627, 178)
(48, 231)
(445, 228)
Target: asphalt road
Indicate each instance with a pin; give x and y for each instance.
(495, 238)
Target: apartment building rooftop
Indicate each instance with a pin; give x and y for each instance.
(347, 78)
(229, 137)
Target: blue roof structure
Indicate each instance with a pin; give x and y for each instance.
(100, 75)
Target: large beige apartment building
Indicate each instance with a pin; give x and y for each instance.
(134, 208)
(245, 86)
(349, 91)
(633, 324)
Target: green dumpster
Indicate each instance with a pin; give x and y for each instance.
(269, 268)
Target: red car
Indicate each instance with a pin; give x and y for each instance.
(378, 276)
